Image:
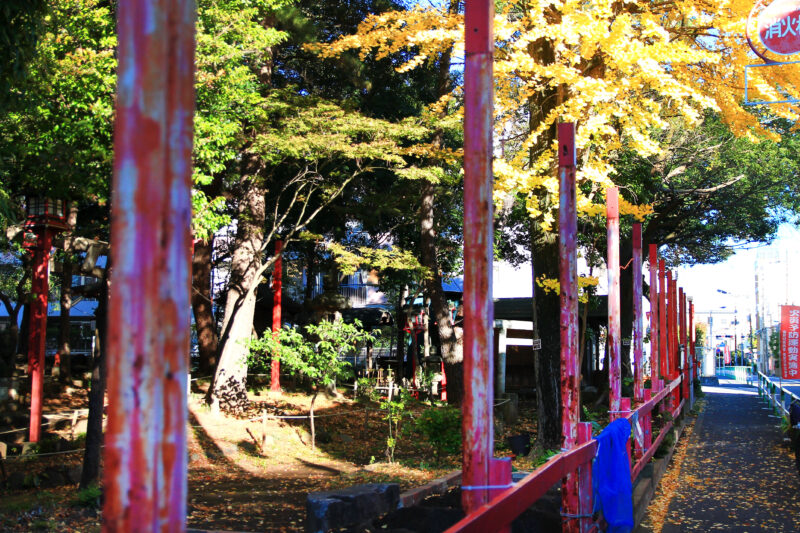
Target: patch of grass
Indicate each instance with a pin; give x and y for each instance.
(24, 502)
(89, 497)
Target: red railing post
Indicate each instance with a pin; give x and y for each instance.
(646, 421)
(568, 280)
(277, 289)
(652, 260)
(477, 429)
(37, 327)
(638, 339)
(663, 354)
(585, 482)
(612, 234)
(145, 474)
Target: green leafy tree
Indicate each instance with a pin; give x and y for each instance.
(318, 356)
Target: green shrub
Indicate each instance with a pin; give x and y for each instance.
(366, 391)
(442, 427)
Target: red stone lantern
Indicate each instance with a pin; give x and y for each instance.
(44, 217)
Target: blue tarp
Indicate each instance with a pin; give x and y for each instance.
(611, 477)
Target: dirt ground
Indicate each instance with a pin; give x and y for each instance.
(250, 473)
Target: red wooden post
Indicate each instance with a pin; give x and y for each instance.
(663, 354)
(652, 259)
(148, 342)
(692, 353)
(672, 318)
(612, 234)
(277, 288)
(674, 363)
(684, 345)
(638, 339)
(37, 327)
(568, 280)
(477, 428)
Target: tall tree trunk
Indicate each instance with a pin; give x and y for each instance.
(94, 428)
(311, 271)
(207, 338)
(547, 361)
(64, 370)
(64, 322)
(401, 336)
(544, 260)
(451, 350)
(228, 390)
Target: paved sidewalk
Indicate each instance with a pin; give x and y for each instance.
(736, 475)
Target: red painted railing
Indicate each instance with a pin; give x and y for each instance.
(512, 502)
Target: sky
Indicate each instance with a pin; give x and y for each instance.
(737, 277)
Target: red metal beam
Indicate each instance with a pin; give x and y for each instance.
(638, 337)
(652, 260)
(148, 342)
(614, 341)
(568, 280)
(477, 429)
(37, 327)
(277, 290)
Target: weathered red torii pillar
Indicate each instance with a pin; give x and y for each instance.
(277, 291)
(638, 337)
(614, 341)
(663, 352)
(483, 476)
(145, 474)
(652, 260)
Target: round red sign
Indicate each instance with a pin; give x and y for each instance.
(779, 27)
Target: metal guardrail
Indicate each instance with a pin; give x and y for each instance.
(738, 373)
(513, 501)
(776, 395)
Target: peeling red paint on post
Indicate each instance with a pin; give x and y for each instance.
(614, 341)
(568, 281)
(145, 472)
(652, 260)
(638, 336)
(477, 427)
(37, 328)
(663, 354)
(277, 290)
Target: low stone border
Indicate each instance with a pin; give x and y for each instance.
(438, 486)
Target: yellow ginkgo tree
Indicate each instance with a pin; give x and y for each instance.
(622, 70)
